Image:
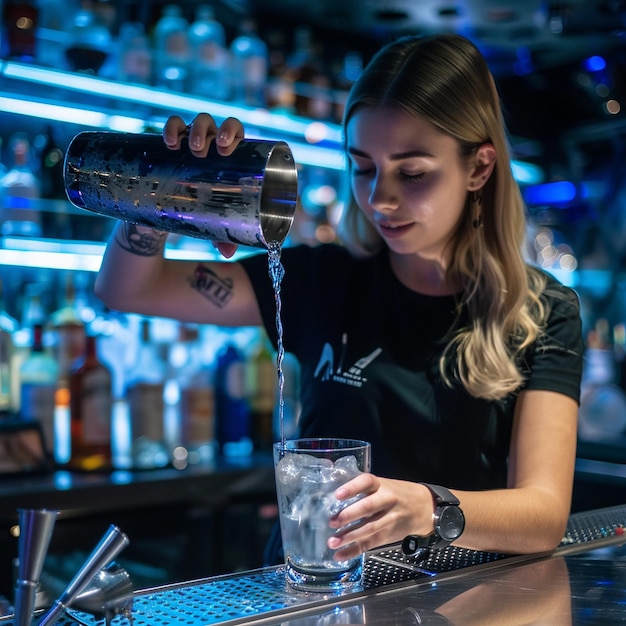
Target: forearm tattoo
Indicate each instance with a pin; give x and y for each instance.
(208, 284)
(140, 240)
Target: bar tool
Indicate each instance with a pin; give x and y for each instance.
(36, 527)
(248, 197)
(111, 544)
(108, 594)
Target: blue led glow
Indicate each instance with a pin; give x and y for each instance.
(560, 192)
(594, 64)
(526, 173)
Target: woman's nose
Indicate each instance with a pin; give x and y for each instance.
(382, 197)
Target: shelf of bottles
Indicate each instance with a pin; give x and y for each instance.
(118, 391)
(64, 71)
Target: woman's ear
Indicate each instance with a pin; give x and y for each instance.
(482, 166)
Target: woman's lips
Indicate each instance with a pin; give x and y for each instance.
(393, 230)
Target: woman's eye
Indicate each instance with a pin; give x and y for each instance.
(413, 177)
(361, 171)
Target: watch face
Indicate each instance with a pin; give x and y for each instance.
(451, 523)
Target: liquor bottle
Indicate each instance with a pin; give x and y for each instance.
(20, 188)
(69, 331)
(54, 223)
(135, 55)
(210, 56)
(261, 392)
(602, 411)
(20, 20)
(32, 313)
(232, 412)
(145, 383)
(8, 326)
(171, 48)
(62, 425)
(196, 397)
(89, 42)
(90, 387)
(52, 25)
(312, 84)
(249, 66)
(344, 77)
(51, 167)
(38, 377)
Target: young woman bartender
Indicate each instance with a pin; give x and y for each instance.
(425, 331)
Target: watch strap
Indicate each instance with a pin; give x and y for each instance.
(417, 545)
(441, 494)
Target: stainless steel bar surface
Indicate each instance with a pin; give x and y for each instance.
(400, 591)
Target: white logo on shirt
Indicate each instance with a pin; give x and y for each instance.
(326, 370)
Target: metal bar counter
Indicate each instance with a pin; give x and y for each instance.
(582, 582)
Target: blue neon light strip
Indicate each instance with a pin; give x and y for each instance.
(325, 150)
(138, 94)
(68, 255)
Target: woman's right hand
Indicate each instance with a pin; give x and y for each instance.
(201, 132)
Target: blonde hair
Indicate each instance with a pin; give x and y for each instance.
(445, 80)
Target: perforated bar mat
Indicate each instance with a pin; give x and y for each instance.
(239, 598)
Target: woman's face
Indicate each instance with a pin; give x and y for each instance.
(408, 178)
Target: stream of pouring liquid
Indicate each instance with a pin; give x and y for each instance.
(276, 272)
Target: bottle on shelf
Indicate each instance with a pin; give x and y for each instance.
(53, 20)
(54, 223)
(91, 399)
(232, 411)
(8, 326)
(249, 66)
(312, 84)
(51, 158)
(210, 64)
(38, 376)
(19, 31)
(32, 313)
(172, 51)
(262, 382)
(280, 95)
(20, 189)
(90, 43)
(619, 352)
(196, 398)
(144, 394)
(345, 76)
(3, 167)
(602, 411)
(62, 425)
(116, 334)
(69, 331)
(135, 61)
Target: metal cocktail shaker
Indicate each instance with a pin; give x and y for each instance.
(247, 198)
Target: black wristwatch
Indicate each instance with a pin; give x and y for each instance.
(449, 523)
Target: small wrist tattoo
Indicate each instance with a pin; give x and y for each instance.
(140, 240)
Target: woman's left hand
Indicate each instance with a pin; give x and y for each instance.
(390, 510)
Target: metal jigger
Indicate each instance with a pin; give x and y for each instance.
(113, 542)
(36, 527)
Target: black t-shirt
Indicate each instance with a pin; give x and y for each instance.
(369, 349)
